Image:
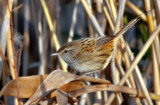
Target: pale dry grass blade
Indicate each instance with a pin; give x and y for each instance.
(91, 30)
(99, 5)
(108, 17)
(4, 31)
(42, 43)
(119, 16)
(108, 6)
(10, 44)
(113, 10)
(11, 55)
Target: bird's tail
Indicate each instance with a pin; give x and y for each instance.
(126, 27)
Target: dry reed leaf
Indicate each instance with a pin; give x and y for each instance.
(65, 84)
(27, 86)
(76, 85)
(54, 80)
(67, 88)
(58, 79)
(62, 97)
(4, 29)
(71, 86)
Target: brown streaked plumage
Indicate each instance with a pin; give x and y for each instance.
(90, 54)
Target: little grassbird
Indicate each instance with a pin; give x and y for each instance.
(91, 54)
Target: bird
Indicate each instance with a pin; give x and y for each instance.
(91, 54)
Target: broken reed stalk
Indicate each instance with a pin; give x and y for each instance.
(52, 29)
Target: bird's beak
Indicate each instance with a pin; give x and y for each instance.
(54, 54)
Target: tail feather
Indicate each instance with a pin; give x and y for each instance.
(127, 27)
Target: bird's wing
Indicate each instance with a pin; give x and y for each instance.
(88, 44)
(103, 40)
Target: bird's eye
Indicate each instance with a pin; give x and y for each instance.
(65, 51)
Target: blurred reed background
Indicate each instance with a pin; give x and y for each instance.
(30, 30)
